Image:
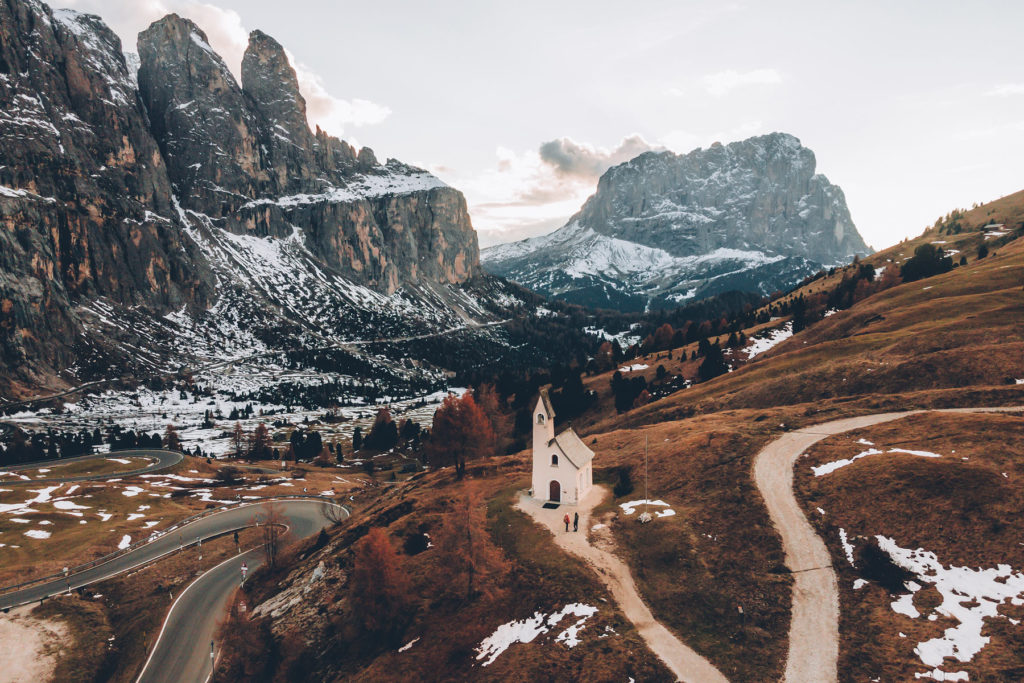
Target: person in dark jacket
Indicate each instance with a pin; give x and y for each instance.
(576, 521)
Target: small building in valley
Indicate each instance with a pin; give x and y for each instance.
(562, 465)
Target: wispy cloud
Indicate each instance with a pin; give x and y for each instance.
(229, 37)
(571, 158)
(724, 82)
(1006, 90)
(533, 192)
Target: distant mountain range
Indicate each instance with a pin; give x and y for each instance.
(663, 229)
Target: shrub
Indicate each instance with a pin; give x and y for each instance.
(624, 486)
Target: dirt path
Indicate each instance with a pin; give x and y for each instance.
(686, 664)
(30, 647)
(814, 629)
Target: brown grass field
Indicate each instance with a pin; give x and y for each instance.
(82, 468)
(964, 506)
(71, 542)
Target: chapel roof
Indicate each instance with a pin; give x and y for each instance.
(573, 448)
(546, 400)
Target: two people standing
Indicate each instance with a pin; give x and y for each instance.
(575, 521)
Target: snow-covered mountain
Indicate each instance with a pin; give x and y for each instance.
(663, 229)
(158, 214)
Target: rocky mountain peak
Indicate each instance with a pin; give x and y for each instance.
(273, 88)
(200, 118)
(665, 228)
(119, 198)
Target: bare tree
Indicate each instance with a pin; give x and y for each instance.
(274, 526)
(469, 553)
(334, 513)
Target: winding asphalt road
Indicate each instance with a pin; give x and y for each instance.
(161, 460)
(305, 517)
(182, 652)
(814, 626)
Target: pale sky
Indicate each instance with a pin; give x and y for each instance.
(913, 108)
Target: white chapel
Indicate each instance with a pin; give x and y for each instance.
(562, 465)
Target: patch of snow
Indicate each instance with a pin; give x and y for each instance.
(940, 675)
(847, 547)
(408, 645)
(858, 584)
(969, 596)
(768, 340)
(630, 507)
(37, 533)
(633, 368)
(526, 630)
(126, 541)
(68, 505)
(829, 467)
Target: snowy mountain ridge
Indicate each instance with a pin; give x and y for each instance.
(665, 228)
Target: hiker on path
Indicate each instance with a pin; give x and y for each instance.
(576, 521)
(566, 520)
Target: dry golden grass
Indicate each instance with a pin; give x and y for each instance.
(959, 506)
(59, 470)
(72, 543)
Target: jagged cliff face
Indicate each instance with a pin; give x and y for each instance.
(113, 188)
(665, 228)
(243, 157)
(82, 185)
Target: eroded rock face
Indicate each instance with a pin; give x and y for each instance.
(109, 183)
(245, 158)
(82, 186)
(664, 228)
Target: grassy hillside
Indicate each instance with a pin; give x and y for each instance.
(964, 506)
(713, 573)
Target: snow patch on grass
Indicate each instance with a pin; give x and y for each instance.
(969, 596)
(527, 630)
(126, 541)
(768, 340)
(829, 467)
(37, 533)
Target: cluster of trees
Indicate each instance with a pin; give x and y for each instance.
(629, 393)
(461, 432)
(19, 446)
(381, 590)
(928, 260)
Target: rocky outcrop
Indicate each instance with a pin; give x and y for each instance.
(243, 157)
(664, 228)
(113, 187)
(83, 186)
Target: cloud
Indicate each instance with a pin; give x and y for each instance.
(570, 158)
(229, 37)
(533, 192)
(724, 82)
(331, 113)
(1006, 90)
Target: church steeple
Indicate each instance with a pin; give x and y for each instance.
(543, 422)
